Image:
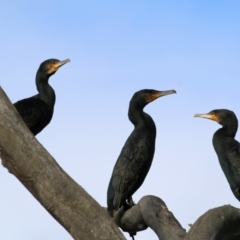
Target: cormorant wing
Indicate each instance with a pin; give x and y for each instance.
(33, 111)
(126, 173)
(233, 155)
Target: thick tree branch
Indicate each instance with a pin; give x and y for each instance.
(218, 223)
(151, 212)
(61, 196)
(78, 212)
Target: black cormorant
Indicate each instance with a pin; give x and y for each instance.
(37, 111)
(136, 156)
(226, 147)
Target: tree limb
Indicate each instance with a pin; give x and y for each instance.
(58, 193)
(218, 223)
(151, 212)
(78, 212)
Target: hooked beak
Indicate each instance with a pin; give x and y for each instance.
(61, 63)
(210, 116)
(159, 94)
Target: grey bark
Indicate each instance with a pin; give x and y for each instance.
(222, 223)
(78, 212)
(151, 212)
(58, 193)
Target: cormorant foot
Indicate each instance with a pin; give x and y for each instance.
(130, 202)
(132, 235)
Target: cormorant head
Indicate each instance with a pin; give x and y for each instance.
(50, 66)
(145, 96)
(222, 116)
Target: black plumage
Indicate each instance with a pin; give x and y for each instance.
(37, 111)
(136, 156)
(226, 147)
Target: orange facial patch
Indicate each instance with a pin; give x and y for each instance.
(152, 97)
(53, 67)
(214, 117)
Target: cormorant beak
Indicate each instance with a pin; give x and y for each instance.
(159, 94)
(210, 116)
(59, 64)
(56, 65)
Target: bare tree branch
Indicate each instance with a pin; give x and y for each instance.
(151, 212)
(218, 223)
(58, 193)
(78, 212)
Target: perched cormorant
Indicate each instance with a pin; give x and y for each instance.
(37, 111)
(226, 147)
(136, 156)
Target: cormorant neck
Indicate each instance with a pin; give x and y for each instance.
(136, 114)
(229, 128)
(46, 92)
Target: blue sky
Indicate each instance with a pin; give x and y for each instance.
(117, 48)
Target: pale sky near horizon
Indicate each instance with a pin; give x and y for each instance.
(117, 48)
